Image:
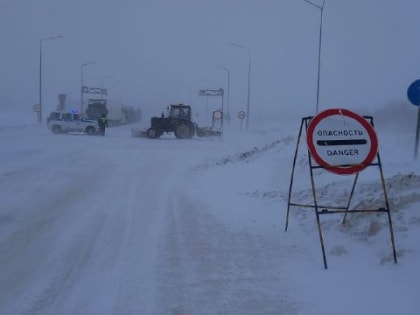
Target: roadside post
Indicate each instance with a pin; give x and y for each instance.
(217, 122)
(241, 116)
(413, 94)
(37, 109)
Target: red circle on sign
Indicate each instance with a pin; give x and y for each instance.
(342, 170)
(217, 114)
(36, 108)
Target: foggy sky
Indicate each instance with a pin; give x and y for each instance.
(150, 53)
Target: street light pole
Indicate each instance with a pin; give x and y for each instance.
(40, 73)
(81, 84)
(228, 93)
(321, 8)
(249, 80)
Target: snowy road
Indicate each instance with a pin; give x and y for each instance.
(89, 237)
(121, 225)
(108, 226)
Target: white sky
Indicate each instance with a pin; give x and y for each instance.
(151, 53)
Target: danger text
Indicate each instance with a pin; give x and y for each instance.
(342, 152)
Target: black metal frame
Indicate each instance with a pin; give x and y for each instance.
(321, 209)
(92, 90)
(215, 92)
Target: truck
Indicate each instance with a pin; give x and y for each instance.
(116, 114)
(96, 108)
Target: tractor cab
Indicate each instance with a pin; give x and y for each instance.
(179, 111)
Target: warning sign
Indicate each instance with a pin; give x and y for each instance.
(341, 141)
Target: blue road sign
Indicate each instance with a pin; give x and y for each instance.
(413, 93)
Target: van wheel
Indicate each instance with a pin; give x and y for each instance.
(90, 130)
(56, 129)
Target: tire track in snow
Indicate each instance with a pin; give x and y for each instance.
(33, 242)
(208, 268)
(112, 253)
(107, 247)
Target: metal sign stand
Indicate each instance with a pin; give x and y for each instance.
(212, 92)
(217, 117)
(330, 209)
(217, 123)
(241, 116)
(413, 94)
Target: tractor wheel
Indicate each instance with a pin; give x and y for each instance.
(184, 131)
(152, 133)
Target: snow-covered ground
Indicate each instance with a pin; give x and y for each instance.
(122, 225)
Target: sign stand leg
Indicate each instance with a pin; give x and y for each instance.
(391, 230)
(324, 257)
(305, 121)
(293, 172)
(350, 197)
(321, 238)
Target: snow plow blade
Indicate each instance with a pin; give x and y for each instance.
(138, 133)
(207, 132)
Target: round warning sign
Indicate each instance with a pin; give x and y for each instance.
(241, 115)
(218, 114)
(36, 108)
(341, 141)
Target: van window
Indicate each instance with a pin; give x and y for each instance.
(67, 116)
(54, 116)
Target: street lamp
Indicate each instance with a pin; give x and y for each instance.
(40, 73)
(321, 8)
(249, 80)
(228, 92)
(81, 84)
